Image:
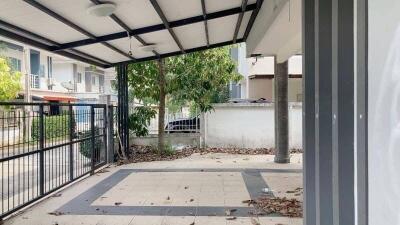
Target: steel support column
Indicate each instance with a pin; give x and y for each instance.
(362, 111)
(281, 113)
(308, 33)
(343, 111)
(123, 109)
(323, 112)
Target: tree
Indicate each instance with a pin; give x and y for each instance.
(10, 81)
(195, 78)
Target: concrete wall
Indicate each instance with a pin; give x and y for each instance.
(261, 88)
(264, 88)
(384, 111)
(249, 126)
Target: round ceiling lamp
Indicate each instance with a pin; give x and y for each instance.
(101, 10)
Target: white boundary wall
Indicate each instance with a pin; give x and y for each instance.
(249, 125)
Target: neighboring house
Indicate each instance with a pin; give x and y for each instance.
(53, 78)
(258, 76)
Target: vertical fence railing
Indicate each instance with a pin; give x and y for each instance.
(41, 152)
(183, 121)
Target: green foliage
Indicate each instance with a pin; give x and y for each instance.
(85, 147)
(168, 149)
(10, 81)
(55, 127)
(197, 78)
(200, 76)
(140, 119)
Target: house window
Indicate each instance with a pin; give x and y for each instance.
(41, 71)
(15, 64)
(93, 80)
(79, 78)
(49, 67)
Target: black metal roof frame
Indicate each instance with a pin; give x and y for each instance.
(66, 49)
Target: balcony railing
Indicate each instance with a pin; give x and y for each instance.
(35, 81)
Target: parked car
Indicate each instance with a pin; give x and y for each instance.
(188, 125)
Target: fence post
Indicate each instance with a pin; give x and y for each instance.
(202, 130)
(92, 127)
(41, 147)
(105, 141)
(110, 149)
(71, 136)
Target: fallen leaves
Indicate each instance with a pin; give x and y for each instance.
(118, 203)
(139, 153)
(283, 206)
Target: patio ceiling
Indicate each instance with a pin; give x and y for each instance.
(174, 26)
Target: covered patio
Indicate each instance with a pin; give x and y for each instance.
(200, 189)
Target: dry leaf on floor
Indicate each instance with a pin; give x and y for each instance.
(229, 212)
(56, 213)
(231, 218)
(56, 195)
(117, 203)
(254, 222)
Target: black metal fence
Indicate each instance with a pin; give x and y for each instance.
(45, 146)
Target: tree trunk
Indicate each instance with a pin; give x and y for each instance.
(161, 106)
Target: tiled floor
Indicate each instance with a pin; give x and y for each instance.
(194, 190)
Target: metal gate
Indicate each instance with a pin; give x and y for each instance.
(41, 152)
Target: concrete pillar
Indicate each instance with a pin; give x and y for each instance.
(308, 23)
(281, 113)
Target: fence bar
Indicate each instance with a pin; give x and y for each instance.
(110, 149)
(71, 145)
(41, 147)
(92, 149)
(105, 123)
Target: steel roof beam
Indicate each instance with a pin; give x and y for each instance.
(158, 27)
(239, 20)
(163, 18)
(65, 21)
(252, 19)
(203, 7)
(47, 41)
(211, 46)
(124, 26)
(18, 37)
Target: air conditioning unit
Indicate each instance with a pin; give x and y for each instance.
(51, 82)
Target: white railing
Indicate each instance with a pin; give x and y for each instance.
(177, 122)
(34, 81)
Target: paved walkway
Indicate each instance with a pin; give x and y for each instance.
(190, 191)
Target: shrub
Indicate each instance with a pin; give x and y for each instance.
(85, 147)
(140, 120)
(54, 127)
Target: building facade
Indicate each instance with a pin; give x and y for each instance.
(52, 78)
(258, 76)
